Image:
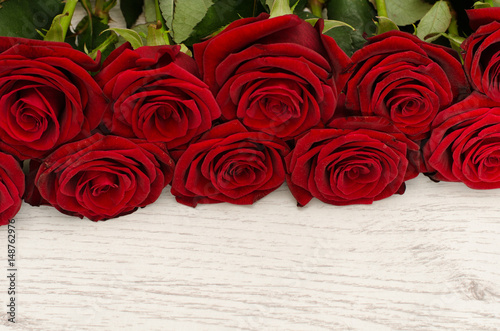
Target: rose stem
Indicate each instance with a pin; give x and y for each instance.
(69, 10)
(105, 11)
(64, 22)
(317, 7)
(381, 8)
(98, 11)
(160, 22)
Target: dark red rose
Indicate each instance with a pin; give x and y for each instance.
(103, 177)
(156, 94)
(229, 164)
(483, 16)
(276, 75)
(11, 187)
(400, 77)
(47, 96)
(482, 54)
(465, 144)
(359, 160)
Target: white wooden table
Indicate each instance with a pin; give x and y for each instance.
(427, 260)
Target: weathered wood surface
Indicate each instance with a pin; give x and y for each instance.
(429, 259)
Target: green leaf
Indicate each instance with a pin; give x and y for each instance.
(150, 11)
(56, 32)
(105, 48)
(344, 38)
(298, 5)
(167, 11)
(141, 29)
(22, 18)
(436, 21)
(187, 14)
(358, 14)
(92, 33)
(306, 15)
(454, 39)
(493, 3)
(129, 35)
(131, 10)
(329, 24)
(384, 24)
(220, 15)
(480, 5)
(406, 12)
(487, 4)
(280, 8)
(60, 24)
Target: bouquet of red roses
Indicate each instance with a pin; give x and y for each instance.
(227, 100)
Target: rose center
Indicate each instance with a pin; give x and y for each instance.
(164, 112)
(164, 118)
(239, 174)
(31, 121)
(357, 172)
(276, 108)
(276, 101)
(243, 175)
(101, 185)
(405, 103)
(492, 161)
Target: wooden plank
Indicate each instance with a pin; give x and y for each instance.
(427, 259)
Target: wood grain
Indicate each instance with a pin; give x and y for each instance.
(427, 260)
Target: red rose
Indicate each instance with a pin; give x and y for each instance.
(360, 160)
(400, 77)
(47, 97)
(482, 53)
(276, 75)
(465, 144)
(103, 177)
(483, 16)
(11, 187)
(229, 164)
(156, 95)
